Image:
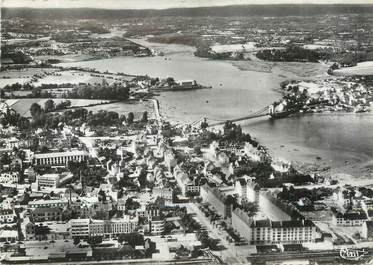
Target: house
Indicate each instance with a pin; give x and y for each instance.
(170, 159)
(343, 197)
(186, 185)
(7, 216)
(351, 218)
(241, 189)
(11, 177)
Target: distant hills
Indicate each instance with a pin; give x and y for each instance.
(223, 11)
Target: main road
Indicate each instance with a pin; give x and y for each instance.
(232, 254)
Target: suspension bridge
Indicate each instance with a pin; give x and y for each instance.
(265, 111)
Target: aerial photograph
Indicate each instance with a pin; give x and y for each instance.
(180, 132)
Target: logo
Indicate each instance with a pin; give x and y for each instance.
(352, 254)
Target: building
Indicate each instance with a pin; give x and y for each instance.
(343, 197)
(7, 216)
(282, 232)
(186, 84)
(123, 225)
(59, 158)
(9, 177)
(157, 225)
(46, 214)
(241, 189)
(79, 228)
(121, 205)
(241, 223)
(48, 204)
(48, 180)
(254, 153)
(8, 235)
(352, 218)
(165, 193)
(367, 230)
(186, 185)
(247, 190)
(367, 206)
(12, 143)
(46, 231)
(170, 160)
(106, 228)
(281, 165)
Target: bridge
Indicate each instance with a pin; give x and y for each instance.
(265, 111)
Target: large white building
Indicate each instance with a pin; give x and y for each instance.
(267, 232)
(106, 228)
(79, 227)
(59, 158)
(282, 232)
(9, 177)
(48, 180)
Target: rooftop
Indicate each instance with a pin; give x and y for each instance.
(61, 154)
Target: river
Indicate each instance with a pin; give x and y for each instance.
(342, 141)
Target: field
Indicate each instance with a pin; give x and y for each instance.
(56, 76)
(137, 108)
(21, 76)
(22, 106)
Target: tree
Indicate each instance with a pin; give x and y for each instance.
(133, 239)
(35, 109)
(170, 81)
(23, 124)
(49, 105)
(131, 204)
(130, 118)
(76, 240)
(122, 118)
(250, 207)
(36, 92)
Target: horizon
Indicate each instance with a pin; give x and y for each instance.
(163, 4)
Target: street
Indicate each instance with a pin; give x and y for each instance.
(232, 254)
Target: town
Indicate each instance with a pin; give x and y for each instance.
(153, 190)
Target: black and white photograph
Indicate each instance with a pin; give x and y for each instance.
(182, 132)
